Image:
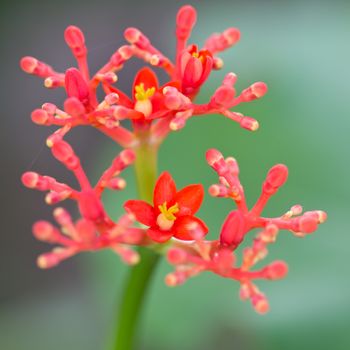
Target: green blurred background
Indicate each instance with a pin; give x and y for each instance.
(301, 49)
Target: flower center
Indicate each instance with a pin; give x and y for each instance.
(166, 218)
(141, 94)
(198, 55)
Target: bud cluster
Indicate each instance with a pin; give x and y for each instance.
(219, 256)
(95, 230)
(166, 110)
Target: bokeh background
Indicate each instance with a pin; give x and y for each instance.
(301, 49)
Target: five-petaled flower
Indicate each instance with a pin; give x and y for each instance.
(172, 213)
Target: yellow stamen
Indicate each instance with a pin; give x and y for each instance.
(142, 94)
(198, 55)
(169, 213)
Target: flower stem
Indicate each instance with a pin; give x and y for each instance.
(140, 275)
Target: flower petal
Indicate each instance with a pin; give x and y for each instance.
(124, 99)
(193, 71)
(158, 235)
(143, 211)
(189, 199)
(164, 191)
(188, 228)
(147, 77)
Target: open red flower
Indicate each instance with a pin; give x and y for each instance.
(147, 100)
(172, 213)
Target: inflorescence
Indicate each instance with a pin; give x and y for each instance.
(154, 111)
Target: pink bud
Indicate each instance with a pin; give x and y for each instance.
(260, 304)
(216, 160)
(213, 157)
(127, 156)
(33, 66)
(54, 197)
(48, 260)
(30, 179)
(223, 96)
(50, 108)
(276, 270)
(250, 124)
(253, 92)
(134, 36)
(112, 99)
(322, 216)
(40, 117)
(185, 21)
(176, 256)
(218, 191)
(74, 107)
(63, 152)
(122, 54)
(28, 64)
(62, 217)
(177, 123)
(54, 82)
(44, 231)
(75, 39)
(244, 291)
(175, 279)
(275, 178)
(233, 229)
(116, 183)
(232, 165)
(232, 35)
(307, 224)
(230, 79)
(76, 86)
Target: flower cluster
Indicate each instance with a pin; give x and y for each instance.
(95, 230)
(218, 256)
(154, 110)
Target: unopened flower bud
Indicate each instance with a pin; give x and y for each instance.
(75, 39)
(74, 107)
(44, 231)
(276, 270)
(276, 177)
(76, 86)
(185, 21)
(233, 229)
(250, 124)
(253, 92)
(176, 256)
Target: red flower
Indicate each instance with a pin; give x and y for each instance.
(195, 67)
(147, 100)
(172, 213)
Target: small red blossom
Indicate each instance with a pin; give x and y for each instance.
(172, 213)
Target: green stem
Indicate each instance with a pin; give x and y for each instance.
(139, 276)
